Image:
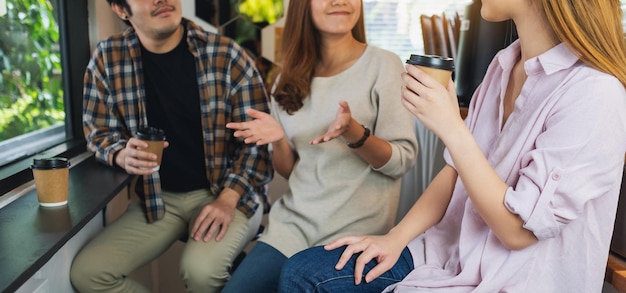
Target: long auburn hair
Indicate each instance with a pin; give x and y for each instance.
(301, 50)
(593, 28)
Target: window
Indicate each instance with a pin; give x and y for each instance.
(395, 25)
(41, 70)
(31, 91)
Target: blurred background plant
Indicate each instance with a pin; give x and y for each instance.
(259, 11)
(255, 14)
(31, 93)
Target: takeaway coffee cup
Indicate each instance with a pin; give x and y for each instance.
(51, 180)
(156, 139)
(438, 67)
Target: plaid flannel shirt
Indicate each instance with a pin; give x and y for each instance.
(114, 108)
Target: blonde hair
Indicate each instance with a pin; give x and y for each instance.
(593, 28)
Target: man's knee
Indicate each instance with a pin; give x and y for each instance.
(79, 277)
(92, 270)
(202, 276)
(86, 275)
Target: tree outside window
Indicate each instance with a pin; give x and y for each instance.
(31, 90)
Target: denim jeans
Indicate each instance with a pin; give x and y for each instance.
(258, 272)
(313, 270)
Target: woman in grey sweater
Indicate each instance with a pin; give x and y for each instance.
(338, 133)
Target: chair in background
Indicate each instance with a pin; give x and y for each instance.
(428, 35)
(455, 22)
(439, 32)
(452, 30)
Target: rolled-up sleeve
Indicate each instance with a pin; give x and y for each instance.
(572, 161)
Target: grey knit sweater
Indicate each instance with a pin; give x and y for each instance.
(332, 191)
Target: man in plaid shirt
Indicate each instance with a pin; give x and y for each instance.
(166, 72)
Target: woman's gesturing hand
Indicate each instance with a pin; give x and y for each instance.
(381, 248)
(339, 126)
(263, 129)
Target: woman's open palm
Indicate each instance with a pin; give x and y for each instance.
(263, 129)
(337, 127)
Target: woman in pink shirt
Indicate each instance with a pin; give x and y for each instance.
(527, 200)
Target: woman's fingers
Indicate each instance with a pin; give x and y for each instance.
(381, 267)
(236, 125)
(370, 248)
(256, 114)
(354, 245)
(339, 242)
(346, 255)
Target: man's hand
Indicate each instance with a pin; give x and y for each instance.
(135, 160)
(216, 215)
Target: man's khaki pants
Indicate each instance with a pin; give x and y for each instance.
(131, 242)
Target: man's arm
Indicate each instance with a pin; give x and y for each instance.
(105, 134)
(252, 167)
(247, 167)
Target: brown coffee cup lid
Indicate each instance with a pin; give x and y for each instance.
(50, 163)
(432, 61)
(150, 133)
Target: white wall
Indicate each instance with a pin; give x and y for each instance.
(102, 21)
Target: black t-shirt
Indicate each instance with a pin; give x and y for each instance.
(173, 104)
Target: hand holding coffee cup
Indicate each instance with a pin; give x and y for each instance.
(155, 138)
(440, 68)
(435, 107)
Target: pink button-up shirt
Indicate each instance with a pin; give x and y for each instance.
(561, 152)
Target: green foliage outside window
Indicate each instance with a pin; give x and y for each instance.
(31, 91)
(267, 11)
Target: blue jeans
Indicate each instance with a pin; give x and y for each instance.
(258, 272)
(313, 270)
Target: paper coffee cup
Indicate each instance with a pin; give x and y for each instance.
(438, 67)
(156, 139)
(51, 180)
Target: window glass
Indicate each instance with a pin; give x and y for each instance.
(395, 24)
(32, 111)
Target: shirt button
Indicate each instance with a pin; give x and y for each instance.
(556, 177)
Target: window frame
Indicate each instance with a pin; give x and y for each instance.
(73, 21)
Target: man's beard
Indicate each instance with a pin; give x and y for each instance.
(164, 33)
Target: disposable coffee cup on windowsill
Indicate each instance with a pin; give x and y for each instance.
(51, 180)
(156, 139)
(438, 67)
